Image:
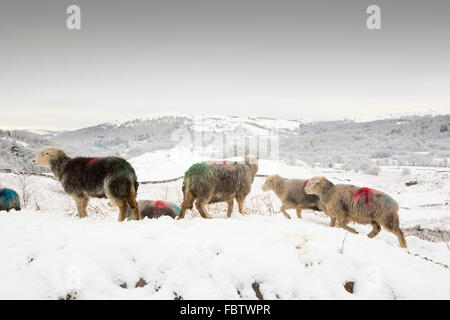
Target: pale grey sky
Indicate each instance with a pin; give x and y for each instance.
(287, 59)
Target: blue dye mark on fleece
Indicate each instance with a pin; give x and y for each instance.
(7, 194)
(7, 197)
(176, 208)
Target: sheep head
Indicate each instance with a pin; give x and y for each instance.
(269, 184)
(315, 185)
(46, 156)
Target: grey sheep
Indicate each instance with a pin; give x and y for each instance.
(349, 203)
(155, 209)
(292, 194)
(209, 182)
(82, 178)
(9, 199)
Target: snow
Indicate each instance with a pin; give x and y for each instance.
(43, 132)
(22, 143)
(164, 164)
(220, 122)
(173, 163)
(47, 252)
(411, 113)
(200, 259)
(268, 122)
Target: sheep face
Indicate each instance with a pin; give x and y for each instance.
(314, 185)
(44, 158)
(251, 159)
(269, 184)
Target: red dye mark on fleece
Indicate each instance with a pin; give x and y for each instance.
(160, 204)
(304, 184)
(366, 192)
(93, 160)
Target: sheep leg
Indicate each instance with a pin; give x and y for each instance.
(85, 207)
(134, 207)
(401, 238)
(399, 233)
(122, 210)
(16, 204)
(392, 223)
(201, 208)
(376, 229)
(322, 208)
(343, 224)
(240, 202)
(299, 213)
(333, 221)
(283, 210)
(187, 203)
(81, 203)
(182, 211)
(230, 207)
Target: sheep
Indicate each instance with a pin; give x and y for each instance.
(9, 199)
(292, 194)
(362, 205)
(156, 209)
(209, 182)
(82, 178)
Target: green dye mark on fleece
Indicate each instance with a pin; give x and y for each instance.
(199, 169)
(121, 166)
(389, 201)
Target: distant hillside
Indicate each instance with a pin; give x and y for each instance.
(18, 148)
(409, 140)
(135, 137)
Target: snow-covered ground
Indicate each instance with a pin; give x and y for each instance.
(46, 252)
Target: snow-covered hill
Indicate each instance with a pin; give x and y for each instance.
(130, 138)
(18, 148)
(48, 253)
(412, 140)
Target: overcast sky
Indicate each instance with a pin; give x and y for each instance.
(287, 59)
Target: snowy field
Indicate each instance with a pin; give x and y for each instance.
(46, 252)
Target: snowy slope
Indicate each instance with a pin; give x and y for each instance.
(48, 253)
(172, 163)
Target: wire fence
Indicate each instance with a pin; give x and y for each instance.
(140, 182)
